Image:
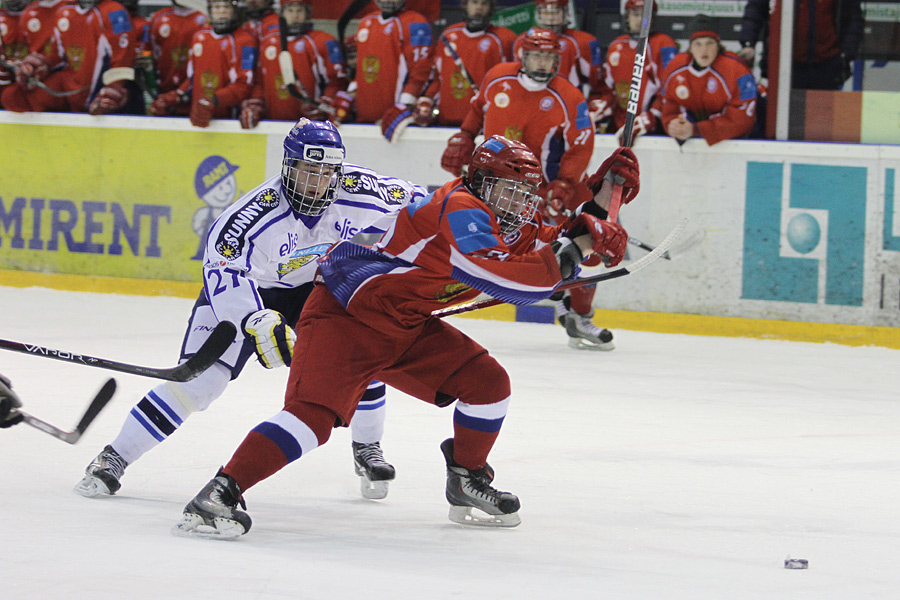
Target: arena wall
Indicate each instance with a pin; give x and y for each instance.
(794, 240)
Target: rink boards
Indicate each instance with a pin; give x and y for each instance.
(795, 240)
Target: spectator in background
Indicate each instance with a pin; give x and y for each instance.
(13, 47)
(827, 38)
(220, 69)
(580, 52)
(90, 67)
(478, 46)
(706, 91)
(318, 66)
(609, 109)
(393, 61)
(171, 30)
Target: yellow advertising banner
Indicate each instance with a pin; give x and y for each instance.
(118, 202)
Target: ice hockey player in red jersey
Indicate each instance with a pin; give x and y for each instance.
(477, 45)
(13, 47)
(89, 66)
(393, 62)
(318, 66)
(373, 318)
(608, 110)
(580, 52)
(261, 18)
(171, 31)
(220, 69)
(707, 92)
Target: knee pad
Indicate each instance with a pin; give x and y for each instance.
(480, 381)
(198, 393)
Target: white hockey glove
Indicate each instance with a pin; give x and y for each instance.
(273, 338)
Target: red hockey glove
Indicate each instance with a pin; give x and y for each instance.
(110, 99)
(458, 153)
(608, 239)
(202, 112)
(423, 113)
(621, 163)
(644, 123)
(165, 103)
(34, 66)
(394, 121)
(252, 110)
(343, 107)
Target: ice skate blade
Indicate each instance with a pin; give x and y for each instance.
(581, 344)
(373, 490)
(467, 515)
(193, 525)
(92, 487)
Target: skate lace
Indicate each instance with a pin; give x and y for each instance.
(371, 454)
(476, 486)
(223, 494)
(114, 463)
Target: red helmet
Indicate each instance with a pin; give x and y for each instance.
(638, 5)
(505, 174)
(540, 40)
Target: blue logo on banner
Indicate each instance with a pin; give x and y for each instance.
(839, 193)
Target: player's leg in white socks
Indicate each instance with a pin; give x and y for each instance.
(366, 430)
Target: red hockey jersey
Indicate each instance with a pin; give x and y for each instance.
(441, 251)
(319, 66)
(618, 68)
(13, 46)
(393, 60)
(221, 66)
(478, 51)
(552, 120)
(90, 42)
(171, 31)
(720, 100)
(37, 23)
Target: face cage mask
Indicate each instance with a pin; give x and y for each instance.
(545, 13)
(536, 75)
(515, 201)
(302, 187)
(390, 8)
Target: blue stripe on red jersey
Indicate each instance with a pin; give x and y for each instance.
(501, 292)
(472, 229)
(349, 265)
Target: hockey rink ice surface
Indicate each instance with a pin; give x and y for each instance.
(675, 467)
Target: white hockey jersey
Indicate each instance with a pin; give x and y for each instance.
(260, 242)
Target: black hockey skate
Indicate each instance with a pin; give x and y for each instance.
(582, 332)
(102, 477)
(374, 472)
(213, 512)
(469, 490)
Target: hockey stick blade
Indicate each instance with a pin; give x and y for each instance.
(634, 267)
(216, 345)
(70, 437)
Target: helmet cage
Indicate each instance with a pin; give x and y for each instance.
(478, 23)
(14, 6)
(514, 202)
(224, 25)
(551, 14)
(296, 29)
(389, 8)
(311, 168)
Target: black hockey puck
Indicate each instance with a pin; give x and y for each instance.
(796, 563)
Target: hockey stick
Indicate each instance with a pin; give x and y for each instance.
(582, 281)
(216, 345)
(634, 95)
(286, 65)
(70, 437)
(458, 62)
(40, 84)
(636, 242)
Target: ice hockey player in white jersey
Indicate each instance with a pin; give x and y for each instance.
(259, 266)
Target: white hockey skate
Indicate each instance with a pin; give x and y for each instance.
(102, 477)
(583, 334)
(374, 472)
(213, 512)
(473, 501)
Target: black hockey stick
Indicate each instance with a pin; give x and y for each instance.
(451, 47)
(286, 66)
(582, 281)
(70, 437)
(40, 84)
(634, 96)
(216, 345)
